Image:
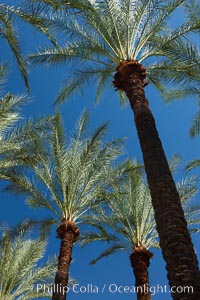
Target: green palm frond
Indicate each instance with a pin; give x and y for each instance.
(174, 162)
(193, 164)
(192, 215)
(28, 225)
(195, 129)
(180, 57)
(3, 72)
(187, 188)
(150, 19)
(34, 13)
(100, 235)
(100, 77)
(9, 33)
(193, 10)
(3, 76)
(21, 269)
(72, 51)
(185, 91)
(10, 110)
(113, 249)
(19, 140)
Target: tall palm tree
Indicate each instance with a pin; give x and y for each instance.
(66, 182)
(123, 36)
(127, 222)
(22, 275)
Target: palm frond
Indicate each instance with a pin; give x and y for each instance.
(107, 252)
(36, 15)
(10, 107)
(187, 188)
(20, 142)
(174, 162)
(20, 266)
(81, 78)
(177, 55)
(195, 129)
(193, 10)
(185, 91)
(3, 76)
(9, 33)
(193, 164)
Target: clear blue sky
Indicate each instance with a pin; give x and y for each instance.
(173, 123)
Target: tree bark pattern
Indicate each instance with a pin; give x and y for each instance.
(140, 260)
(175, 241)
(68, 232)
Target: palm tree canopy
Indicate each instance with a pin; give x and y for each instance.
(128, 220)
(68, 179)
(103, 33)
(20, 266)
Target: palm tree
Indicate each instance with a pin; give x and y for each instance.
(22, 276)
(128, 223)
(66, 182)
(123, 35)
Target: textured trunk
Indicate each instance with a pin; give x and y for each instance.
(68, 233)
(140, 260)
(175, 241)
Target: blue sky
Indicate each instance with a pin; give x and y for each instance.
(173, 123)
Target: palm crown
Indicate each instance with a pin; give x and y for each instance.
(106, 32)
(130, 216)
(68, 180)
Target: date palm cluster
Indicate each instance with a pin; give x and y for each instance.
(126, 68)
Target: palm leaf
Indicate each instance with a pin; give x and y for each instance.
(20, 270)
(193, 164)
(107, 252)
(195, 129)
(8, 32)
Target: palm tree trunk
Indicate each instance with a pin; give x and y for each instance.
(140, 260)
(68, 232)
(175, 241)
